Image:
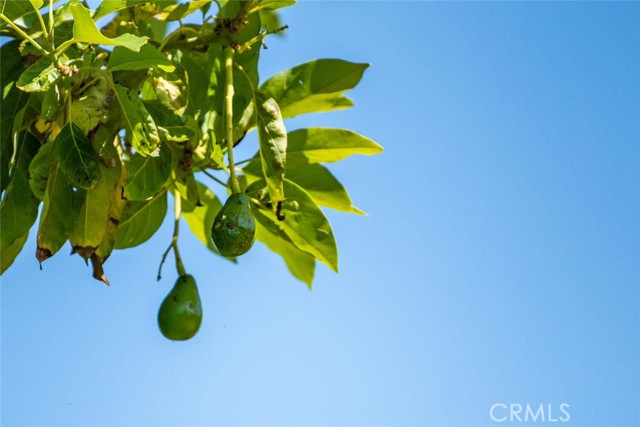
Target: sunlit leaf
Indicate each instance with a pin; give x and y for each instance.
(109, 6)
(325, 189)
(179, 11)
(314, 86)
(85, 30)
(275, 4)
(300, 263)
(200, 218)
(303, 222)
(328, 145)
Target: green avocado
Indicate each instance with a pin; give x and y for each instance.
(180, 313)
(234, 228)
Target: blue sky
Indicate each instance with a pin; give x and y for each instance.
(498, 263)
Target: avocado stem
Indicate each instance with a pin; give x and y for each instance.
(176, 228)
(174, 240)
(228, 115)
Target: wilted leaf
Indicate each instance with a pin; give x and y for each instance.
(92, 222)
(59, 213)
(273, 145)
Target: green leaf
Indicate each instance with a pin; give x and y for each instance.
(140, 220)
(12, 101)
(304, 223)
(124, 59)
(76, 157)
(61, 205)
(85, 30)
(37, 4)
(109, 6)
(301, 264)
(138, 122)
(185, 183)
(272, 136)
(328, 145)
(314, 86)
(200, 218)
(147, 176)
(9, 254)
(179, 11)
(19, 207)
(39, 76)
(325, 189)
(13, 9)
(51, 103)
(93, 219)
(39, 170)
(275, 4)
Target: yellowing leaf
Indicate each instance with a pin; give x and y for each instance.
(272, 136)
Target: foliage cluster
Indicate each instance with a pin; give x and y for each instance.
(99, 125)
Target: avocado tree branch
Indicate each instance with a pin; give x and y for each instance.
(228, 114)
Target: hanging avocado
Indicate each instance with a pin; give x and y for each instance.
(180, 313)
(234, 228)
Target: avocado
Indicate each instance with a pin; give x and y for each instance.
(234, 228)
(180, 313)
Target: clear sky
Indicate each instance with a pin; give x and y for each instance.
(499, 263)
